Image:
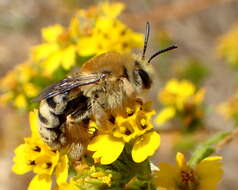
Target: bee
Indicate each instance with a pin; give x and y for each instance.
(102, 87)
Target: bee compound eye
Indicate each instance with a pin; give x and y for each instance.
(146, 80)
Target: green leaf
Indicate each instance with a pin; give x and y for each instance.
(207, 148)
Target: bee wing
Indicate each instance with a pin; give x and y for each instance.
(67, 84)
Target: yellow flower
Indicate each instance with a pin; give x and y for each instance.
(205, 175)
(111, 10)
(34, 155)
(109, 35)
(164, 115)
(179, 93)
(134, 128)
(227, 46)
(90, 32)
(106, 147)
(102, 31)
(30, 90)
(145, 146)
(17, 86)
(229, 109)
(40, 182)
(68, 186)
(56, 50)
(20, 101)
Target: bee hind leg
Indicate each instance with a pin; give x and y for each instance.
(80, 114)
(76, 151)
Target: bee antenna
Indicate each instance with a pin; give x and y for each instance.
(147, 34)
(161, 51)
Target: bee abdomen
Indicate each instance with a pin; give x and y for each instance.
(48, 118)
(57, 104)
(51, 111)
(53, 114)
(54, 137)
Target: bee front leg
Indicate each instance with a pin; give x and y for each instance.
(99, 113)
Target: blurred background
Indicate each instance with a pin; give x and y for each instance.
(198, 28)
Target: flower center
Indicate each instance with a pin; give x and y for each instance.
(188, 180)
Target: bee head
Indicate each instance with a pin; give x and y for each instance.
(142, 67)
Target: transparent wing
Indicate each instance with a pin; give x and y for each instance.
(67, 84)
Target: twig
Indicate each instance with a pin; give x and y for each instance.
(228, 139)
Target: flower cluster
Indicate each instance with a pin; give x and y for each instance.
(34, 155)
(227, 46)
(204, 175)
(181, 99)
(133, 128)
(17, 85)
(90, 32)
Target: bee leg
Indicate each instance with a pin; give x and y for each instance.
(54, 137)
(78, 138)
(99, 113)
(76, 151)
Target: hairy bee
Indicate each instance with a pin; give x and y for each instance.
(103, 86)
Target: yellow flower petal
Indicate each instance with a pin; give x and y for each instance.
(52, 62)
(68, 186)
(20, 101)
(44, 50)
(51, 33)
(164, 115)
(106, 147)
(145, 146)
(165, 177)
(21, 165)
(209, 172)
(46, 163)
(86, 46)
(112, 10)
(40, 182)
(180, 159)
(30, 89)
(61, 170)
(68, 57)
(33, 118)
